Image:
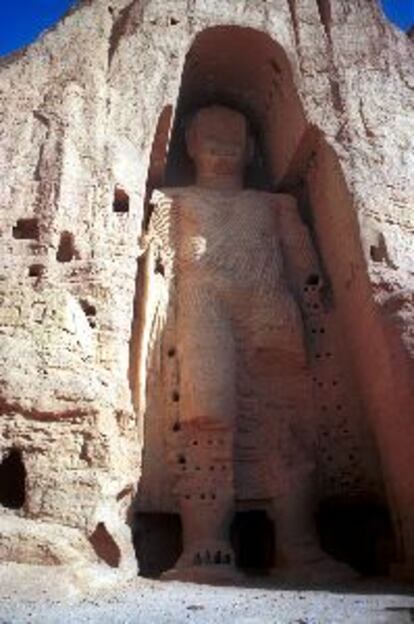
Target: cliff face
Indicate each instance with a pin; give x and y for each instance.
(86, 119)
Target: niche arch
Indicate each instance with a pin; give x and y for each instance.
(262, 89)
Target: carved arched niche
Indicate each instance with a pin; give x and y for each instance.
(245, 69)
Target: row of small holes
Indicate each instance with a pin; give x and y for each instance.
(202, 496)
(323, 384)
(198, 468)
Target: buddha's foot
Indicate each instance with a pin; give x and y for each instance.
(208, 563)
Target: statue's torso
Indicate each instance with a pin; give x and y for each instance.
(228, 239)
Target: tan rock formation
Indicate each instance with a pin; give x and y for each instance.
(92, 121)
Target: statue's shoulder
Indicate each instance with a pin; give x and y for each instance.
(168, 194)
(283, 206)
(279, 201)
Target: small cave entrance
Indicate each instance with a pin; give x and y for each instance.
(157, 539)
(66, 251)
(105, 546)
(253, 540)
(121, 200)
(12, 480)
(359, 532)
(26, 229)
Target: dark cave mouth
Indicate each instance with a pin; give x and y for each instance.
(355, 531)
(359, 532)
(12, 480)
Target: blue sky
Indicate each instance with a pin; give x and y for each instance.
(21, 21)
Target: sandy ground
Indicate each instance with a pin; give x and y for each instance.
(50, 599)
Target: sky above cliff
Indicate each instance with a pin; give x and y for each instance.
(21, 21)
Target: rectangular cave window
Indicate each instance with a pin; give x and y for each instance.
(121, 200)
(12, 480)
(36, 270)
(66, 250)
(26, 229)
(253, 539)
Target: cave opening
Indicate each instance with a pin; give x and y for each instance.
(359, 532)
(253, 541)
(120, 202)
(157, 539)
(12, 480)
(66, 251)
(26, 229)
(105, 546)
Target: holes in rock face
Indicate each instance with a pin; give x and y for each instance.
(66, 250)
(12, 480)
(26, 229)
(36, 270)
(358, 531)
(175, 396)
(89, 310)
(176, 427)
(174, 21)
(159, 266)
(313, 279)
(379, 252)
(171, 352)
(157, 540)
(121, 200)
(105, 546)
(253, 540)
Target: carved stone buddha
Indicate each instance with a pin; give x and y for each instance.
(238, 260)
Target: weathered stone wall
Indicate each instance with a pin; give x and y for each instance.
(79, 110)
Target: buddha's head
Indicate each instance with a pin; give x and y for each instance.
(218, 142)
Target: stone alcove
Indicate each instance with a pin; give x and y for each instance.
(288, 156)
(12, 480)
